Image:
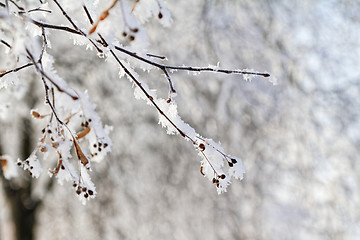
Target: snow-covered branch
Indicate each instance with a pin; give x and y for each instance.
(70, 108)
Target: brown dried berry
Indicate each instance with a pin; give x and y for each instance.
(160, 15)
(86, 195)
(168, 101)
(202, 146)
(223, 176)
(90, 192)
(43, 149)
(78, 191)
(131, 38)
(49, 131)
(19, 164)
(74, 185)
(105, 145)
(233, 160)
(30, 173)
(124, 34)
(31, 167)
(213, 180)
(84, 189)
(135, 30)
(43, 130)
(95, 146)
(62, 167)
(230, 164)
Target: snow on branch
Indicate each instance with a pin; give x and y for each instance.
(72, 119)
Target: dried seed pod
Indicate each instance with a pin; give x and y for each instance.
(160, 15)
(124, 34)
(19, 164)
(230, 164)
(169, 100)
(74, 185)
(135, 30)
(62, 167)
(84, 189)
(43, 149)
(105, 145)
(55, 144)
(202, 147)
(91, 192)
(213, 180)
(131, 38)
(233, 160)
(86, 195)
(35, 114)
(223, 176)
(78, 191)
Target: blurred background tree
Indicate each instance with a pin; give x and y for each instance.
(299, 140)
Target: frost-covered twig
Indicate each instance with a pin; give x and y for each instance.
(3, 73)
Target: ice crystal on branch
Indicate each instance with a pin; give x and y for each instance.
(73, 133)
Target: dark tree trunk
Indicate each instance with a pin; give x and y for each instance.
(22, 206)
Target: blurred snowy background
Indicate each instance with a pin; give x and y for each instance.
(299, 140)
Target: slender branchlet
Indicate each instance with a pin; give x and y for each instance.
(75, 26)
(15, 69)
(5, 43)
(88, 14)
(16, 5)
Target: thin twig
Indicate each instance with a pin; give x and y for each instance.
(16, 69)
(5, 43)
(88, 14)
(151, 99)
(48, 78)
(76, 27)
(39, 10)
(20, 8)
(63, 28)
(156, 56)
